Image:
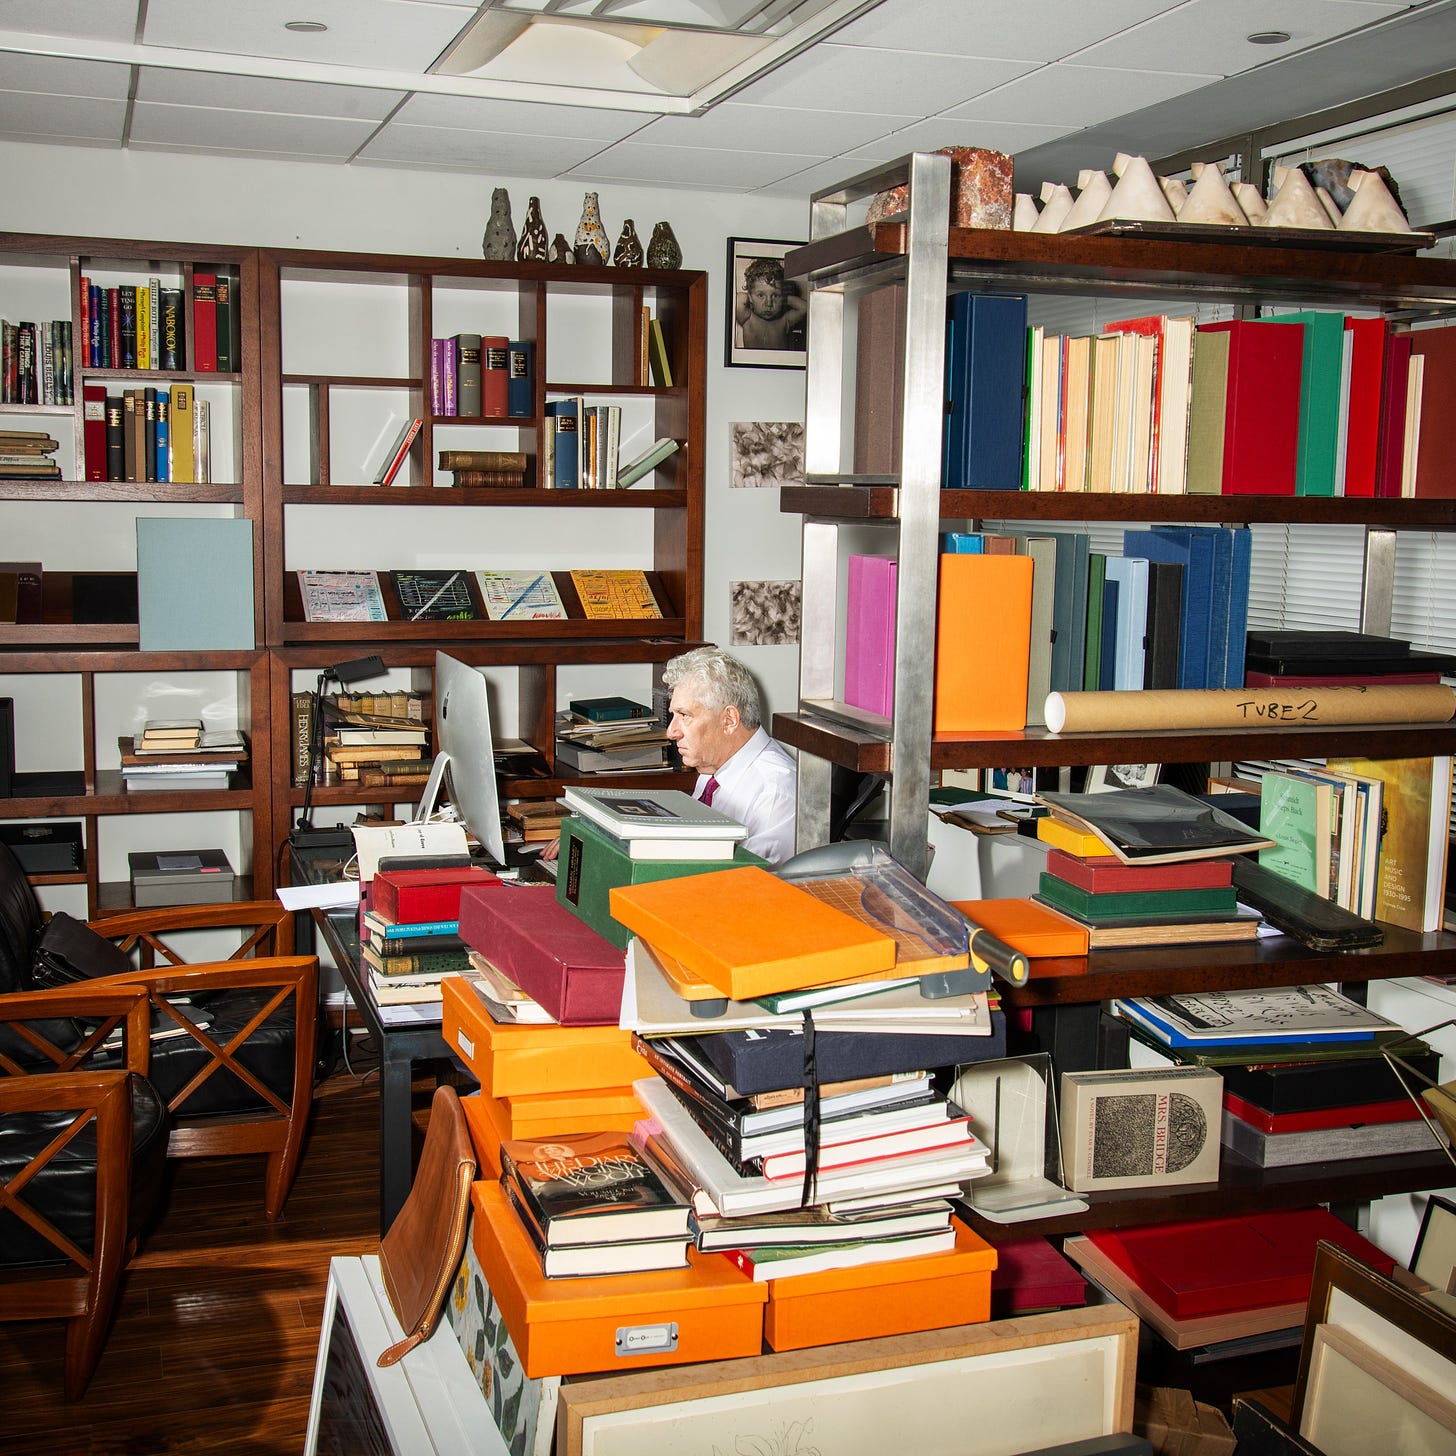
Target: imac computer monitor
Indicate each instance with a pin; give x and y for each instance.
(465, 750)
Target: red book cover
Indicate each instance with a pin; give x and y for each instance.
(1435, 465)
(410, 897)
(494, 375)
(1033, 1274)
(204, 322)
(1253, 679)
(1217, 1265)
(1261, 413)
(1358, 1114)
(1362, 428)
(1390, 451)
(85, 297)
(544, 949)
(93, 437)
(1109, 876)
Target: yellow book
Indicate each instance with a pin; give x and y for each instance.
(615, 593)
(748, 933)
(1063, 836)
(143, 328)
(179, 434)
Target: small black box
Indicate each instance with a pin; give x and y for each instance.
(51, 848)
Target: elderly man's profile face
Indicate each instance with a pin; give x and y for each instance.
(705, 739)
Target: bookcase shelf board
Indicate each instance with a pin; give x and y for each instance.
(129, 491)
(110, 796)
(378, 497)
(449, 633)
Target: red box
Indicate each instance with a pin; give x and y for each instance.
(931, 1292)
(409, 897)
(552, 956)
(707, 1311)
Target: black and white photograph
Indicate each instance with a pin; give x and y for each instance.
(1104, 776)
(763, 613)
(767, 313)
(765, 453)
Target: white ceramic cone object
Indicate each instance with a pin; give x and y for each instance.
(1331, 207)
(1372, 209)
(1137, 197)
(1209, 200)
(1056, 204)
(1093, 190)
(1294, 204)
(1024, 214)
(1174, 191)
(1250, 202)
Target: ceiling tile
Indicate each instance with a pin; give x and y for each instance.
(1035, 30)
(523, 118)
(946, 131)
(812, 179)
(109, 20)
(633, 162)
(258, 93)
(1209, 35)
(879, 82)
(388, 34)
(1068, 97)
(515, 156)
(63, 77)
(198, 129)
(771, 128)
(28, 117)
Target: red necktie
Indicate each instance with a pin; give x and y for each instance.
(709, 789)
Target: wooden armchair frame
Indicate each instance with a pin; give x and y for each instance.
(145, 931)
(82, 1292)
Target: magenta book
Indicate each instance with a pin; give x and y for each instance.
(869, 634)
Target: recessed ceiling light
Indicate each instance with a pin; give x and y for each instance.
(305, 27)
(1268, 37)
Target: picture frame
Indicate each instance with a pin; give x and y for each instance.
(765, 327)
(1434, 1256)
(1020, 785)
(1376, 1359)
(920, 1391)
(1104, 776)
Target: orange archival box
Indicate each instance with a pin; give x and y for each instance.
(982, 643)
(707, 1311)
(1028, 927)
(748, 933)
(513, 1061)
(608, 1109)
(930, 1292)
(484, 1137)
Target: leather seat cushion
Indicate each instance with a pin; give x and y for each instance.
(65, 1190)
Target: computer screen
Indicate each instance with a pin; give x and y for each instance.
(465, 754)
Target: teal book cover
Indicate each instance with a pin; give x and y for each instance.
(194, 584)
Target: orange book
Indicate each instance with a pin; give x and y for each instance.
(749, 933)
(930, 1292)
(982, 643)
(617, 1322)
(509, 1061)
(1026, 926)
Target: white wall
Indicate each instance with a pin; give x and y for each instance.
(114, 193)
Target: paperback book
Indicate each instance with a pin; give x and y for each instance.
(1275, 1014)
(782, 1261)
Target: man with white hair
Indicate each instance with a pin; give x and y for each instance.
(717, 725)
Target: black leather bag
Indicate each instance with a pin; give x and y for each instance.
(70, 951)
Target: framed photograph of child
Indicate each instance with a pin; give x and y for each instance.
(767, 313)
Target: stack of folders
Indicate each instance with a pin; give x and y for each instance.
(1146, 866)
(784, 1179)
(1304, 1078)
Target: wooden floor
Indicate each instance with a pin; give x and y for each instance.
(214, 1341)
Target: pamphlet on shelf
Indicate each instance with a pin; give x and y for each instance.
(341, 596)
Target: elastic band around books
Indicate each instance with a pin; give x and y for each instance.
(811, 1112)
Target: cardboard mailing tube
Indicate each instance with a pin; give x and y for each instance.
(1118, 712)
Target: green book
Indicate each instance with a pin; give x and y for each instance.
(1136, 904)
(1319, 399)
(1298, 814)
(1096, 589)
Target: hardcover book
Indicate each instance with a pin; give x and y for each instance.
(1133, 1129)
(204, 321)
(591, 1189)
(494, 375)
(1106, 874)
(467, 374)
(637, 815)
(869, 634)
(520, 378)
(1261, 409)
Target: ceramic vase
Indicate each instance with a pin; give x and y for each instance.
(1294, 204)
(534, 246)
(628, 252)
(592, 243)
(1209, 200)
(499, 242)
(561, 251)
(1093, 190)
(1137, 195)
(1024, 214)
(1056, 203)
(1372, 209)
(662, 248)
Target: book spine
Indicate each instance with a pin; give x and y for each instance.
(164, 435)
(94, 430)
(149, 429)
(154, 323)
(143, 327)
(468, 374)
(127, 326)
(113, 328)
(397, 931)
(225, 361)
(180, 434)
(96, 329)
(115, 438)
(202, 441)
(174, 334)
(520, 379)
(129, 434)
(301, 706)
(450, 385)
(47, 365)
(204, 322)
(495, 376)
(437, 376)
(83, 303)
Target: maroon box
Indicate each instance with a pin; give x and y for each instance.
(552, 956)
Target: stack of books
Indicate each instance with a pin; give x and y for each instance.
(179, 754)
(378, 741)
(1309, 659)
(497, 469)
(593, 1204)
(610, 736)
(29, 454)
(536, 821)
(410, 937)
(1348, 1104)
(656, 823)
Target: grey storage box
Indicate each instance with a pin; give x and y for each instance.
(180, 877)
